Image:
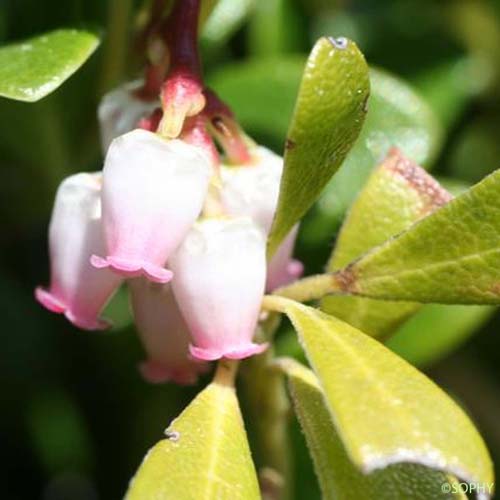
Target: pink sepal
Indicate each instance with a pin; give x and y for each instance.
(131, 268)
(238, 352)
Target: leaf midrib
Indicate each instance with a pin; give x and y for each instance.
(218, 433)
(378, 386)
(373, 278)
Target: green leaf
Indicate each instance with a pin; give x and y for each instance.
(275, 27)
(205, 455)
(451, 257)
(397, 194)
(397, 117)
(261, 92)
(338, 476)
(385, 410)
(449, 86)
(226, 17)
(436, 330)
(118, 311)
(328, 116)
(34, 68)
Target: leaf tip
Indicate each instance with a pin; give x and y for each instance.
(340, 42)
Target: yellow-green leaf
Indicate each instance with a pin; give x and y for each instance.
(384, 409)
(34, 68)
(451, 257)
(328, 116)
(397, 194)
(339, 478)
(205, 456)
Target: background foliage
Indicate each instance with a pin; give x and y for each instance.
(75, 417)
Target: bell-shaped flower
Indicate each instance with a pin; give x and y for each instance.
(282, 268)
(253, 190)
(164, 334)
(77, 290)
(153, 191)
(220, 273)
(121, 110)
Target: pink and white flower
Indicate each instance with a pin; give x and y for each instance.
(220, 273)
(121, 110)
(164, 334)
(283, 268)
(153, 191)
(253, 190)
(77, 290)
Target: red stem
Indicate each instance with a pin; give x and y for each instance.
(181, 36)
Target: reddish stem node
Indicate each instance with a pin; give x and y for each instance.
(182, 92)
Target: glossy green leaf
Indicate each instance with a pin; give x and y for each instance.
(436, 330)
(339, 478)
(34, 68)
(328, 116)
(397, 194)
(205, 455)
(397, 117)
(385, 410)
(452, 256)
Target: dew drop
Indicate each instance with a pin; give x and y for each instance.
(339, 42)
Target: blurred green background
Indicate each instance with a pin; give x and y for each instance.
(76, 419)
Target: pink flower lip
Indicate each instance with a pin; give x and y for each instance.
(237, 352)
(49, 301)
(131, 268)
(53, 304)
(156, 372)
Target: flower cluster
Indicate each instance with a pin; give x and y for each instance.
(185, 230)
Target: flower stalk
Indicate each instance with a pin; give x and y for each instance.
(182, 92)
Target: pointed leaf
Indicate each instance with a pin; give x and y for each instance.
(328, 116)
(436, 330)
(385, 410)
(398, 116)
(397, 194)
(34, 68)
(206, 454)
(338, 476)
(452, 256)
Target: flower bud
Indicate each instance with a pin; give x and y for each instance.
(153, 191)
(76, 289)
(253, 190)
(121, 110)
(164, 334)
(220, 272)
